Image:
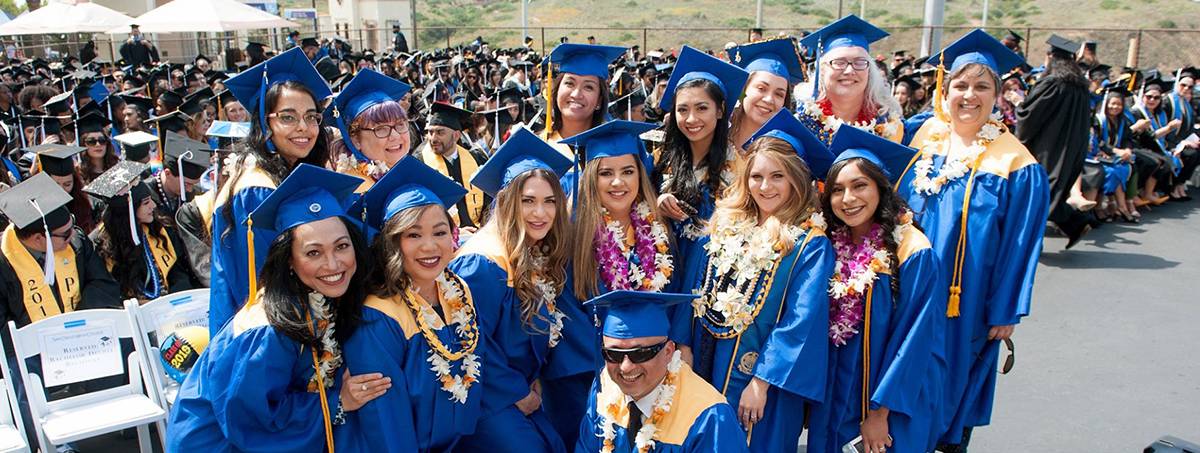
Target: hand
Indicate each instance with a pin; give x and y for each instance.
(875, 431)
(1174, 124)
(1140, 125)
(360, 390)
(1124, 154)
(1001, 332)
(530, 403)
(669, 206)
(754, 399)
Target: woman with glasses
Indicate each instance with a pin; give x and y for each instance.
(1113, 147)
(982, 199)
(848, 88)
(285, 131)
(373, 125)
(1152, 125)
(758, 333)
(99, 155)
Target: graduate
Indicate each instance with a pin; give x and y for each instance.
(140, 247)
(989, 252)
(887, 308)
(759, 330)
(273, 377)
(286, 94)
(775, 68)
(848, 88)
(418, 314)
(695, 164)
(443, 152)
(99, 155)
(646, 398)
(622, 243)
(516, 268)
(576, 91)
(1112, 146)
(373, 124)
(184, 162)
(58, 161)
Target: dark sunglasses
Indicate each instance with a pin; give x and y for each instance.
(95, 141)
(635, 355)
(1008, 356)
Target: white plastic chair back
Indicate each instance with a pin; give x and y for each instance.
(12, 424)
(158, 318)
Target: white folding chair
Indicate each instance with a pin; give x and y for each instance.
(12, 425)
(156, 319)
(76, 347)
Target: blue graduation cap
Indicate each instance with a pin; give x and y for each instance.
(694, 64)
(849, 31)
(309, 194)
(889, 156)
(776, 56)
(611, 139)
(367, 89)
(98, 92)
(522, 152)
(585, 59)
(410, 183)
(637, 314)
(786, 127)
(977, 47)
(250, 86)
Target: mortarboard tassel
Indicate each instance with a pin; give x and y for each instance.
(817, 72)
(48, 261)
(133, 232)
(252, 298)
(179, 173)
(938, 95)
(549, 97)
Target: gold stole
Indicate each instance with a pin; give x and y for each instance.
(163, 252)
(40, 301)
(466, 169)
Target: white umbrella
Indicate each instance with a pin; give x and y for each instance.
(59, 17)
(205, 16)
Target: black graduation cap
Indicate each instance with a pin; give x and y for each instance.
(443, 114)
(137, 144)
(255, 45)
(1157, 82)
(175, 121)
(1014, 36)
(900, 67)
(310, 42)
(134, 97)
(117, 181)
(91, 121)
(56, 159)
(899, 53)
(1059, 43)
(1099, 72)
(194, 103)
(26, 203)
(1188, 71)
(171, 98)
(213, 76)
(194, 155)
(912, 81)
(58, 104)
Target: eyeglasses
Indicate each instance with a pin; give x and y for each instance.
(93, 141)
(635, 355)
(1152, 96)
(385, 131)
(289, 119)
(67, 234)
(859, 64)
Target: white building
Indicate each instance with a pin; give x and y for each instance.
(368, 23)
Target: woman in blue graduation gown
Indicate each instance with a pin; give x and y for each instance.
(285, 95)
(373, 124)
(272, 379)
(419, 325)
(759, 328)
(775, 68)
(887, 308)
(516, 268)
(982, 199)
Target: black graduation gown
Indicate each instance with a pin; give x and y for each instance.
(1054, 124)
(179, 278)
(100, 290)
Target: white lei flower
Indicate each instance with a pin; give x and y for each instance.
(321, 311)
(372, 168)
(644, 440)
(463, 319)
(548, 299)
(662, 261)
(951, 169)
(832, 123)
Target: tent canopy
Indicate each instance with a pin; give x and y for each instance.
(58, 17)
(204, 16)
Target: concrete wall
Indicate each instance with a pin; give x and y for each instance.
(379, 15)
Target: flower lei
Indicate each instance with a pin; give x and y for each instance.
(614, 408)
(330, 355)
(549, 295)
(462, 315)
(951, 169)
(373, 169)
(744, 252)
(821, 112)
(622, 265)
(857, 267)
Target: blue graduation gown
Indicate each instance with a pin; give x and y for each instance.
(699, 420)
(415, 414)
(1007, 217)
(229, 274)
(248, 392)
(908, 364)
(786, 346)
(519, 357)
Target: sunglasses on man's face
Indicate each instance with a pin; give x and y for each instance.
(635, 355)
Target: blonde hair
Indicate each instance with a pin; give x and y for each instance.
(390, 277)
(738, 205)
(878, 97)
(588, 221)
(521, 254)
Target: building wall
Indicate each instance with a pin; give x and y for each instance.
(375, 17)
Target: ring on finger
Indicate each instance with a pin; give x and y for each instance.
(364, 387)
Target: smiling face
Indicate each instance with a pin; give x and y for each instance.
(294, 141)
(389, 149)
(234, 111)
(639, 379)
(1152, 98)
(696, 113)
(847, 82)
(145, 211)
(427, 246)
(617, 182)
(96, 143)
(855, 197)
(577, 96)
(1114, 106)
(323, 256)
(769, 185)
(765, 95)
(538, 208)
(971, 95)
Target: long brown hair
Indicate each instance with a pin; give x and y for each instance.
(739, 206)
(597, 116)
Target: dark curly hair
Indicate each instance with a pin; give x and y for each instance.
(676, 155)
(116, 245)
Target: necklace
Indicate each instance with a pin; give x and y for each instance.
(549, 294)
(857, 267)
(614, 409)
(818, 115)
(171, 203)
(952, 168)
(331, 352)
(372, 169)
(623, 266)
(461, 315)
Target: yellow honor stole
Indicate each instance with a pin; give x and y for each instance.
(40, 301)
(163, 251)
(466, 169)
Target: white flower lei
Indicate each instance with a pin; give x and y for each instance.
(951, 169)
(321, 312)
(662, 261)
(548, 299)
(463, 319)
(644, 440)
(372, 168)
(832, 123)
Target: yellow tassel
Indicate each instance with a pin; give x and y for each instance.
(952, 306)
(549, 97)
(937, 93)
(250, 300)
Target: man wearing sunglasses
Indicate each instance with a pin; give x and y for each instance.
(646, 395)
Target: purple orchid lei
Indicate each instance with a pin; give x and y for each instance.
(619, 266)
(853, 273)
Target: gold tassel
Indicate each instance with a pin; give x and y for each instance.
(251, 299)
(952, 305)
(937, 95)
(549, 97)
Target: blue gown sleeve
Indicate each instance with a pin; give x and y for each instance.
(688, 278)
(915, 329)
(230, 279)
(716, 429)
(385, 423)
(488, 283)
(589, 432)
(913, 124)
(799, 343)
(1020, 245)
